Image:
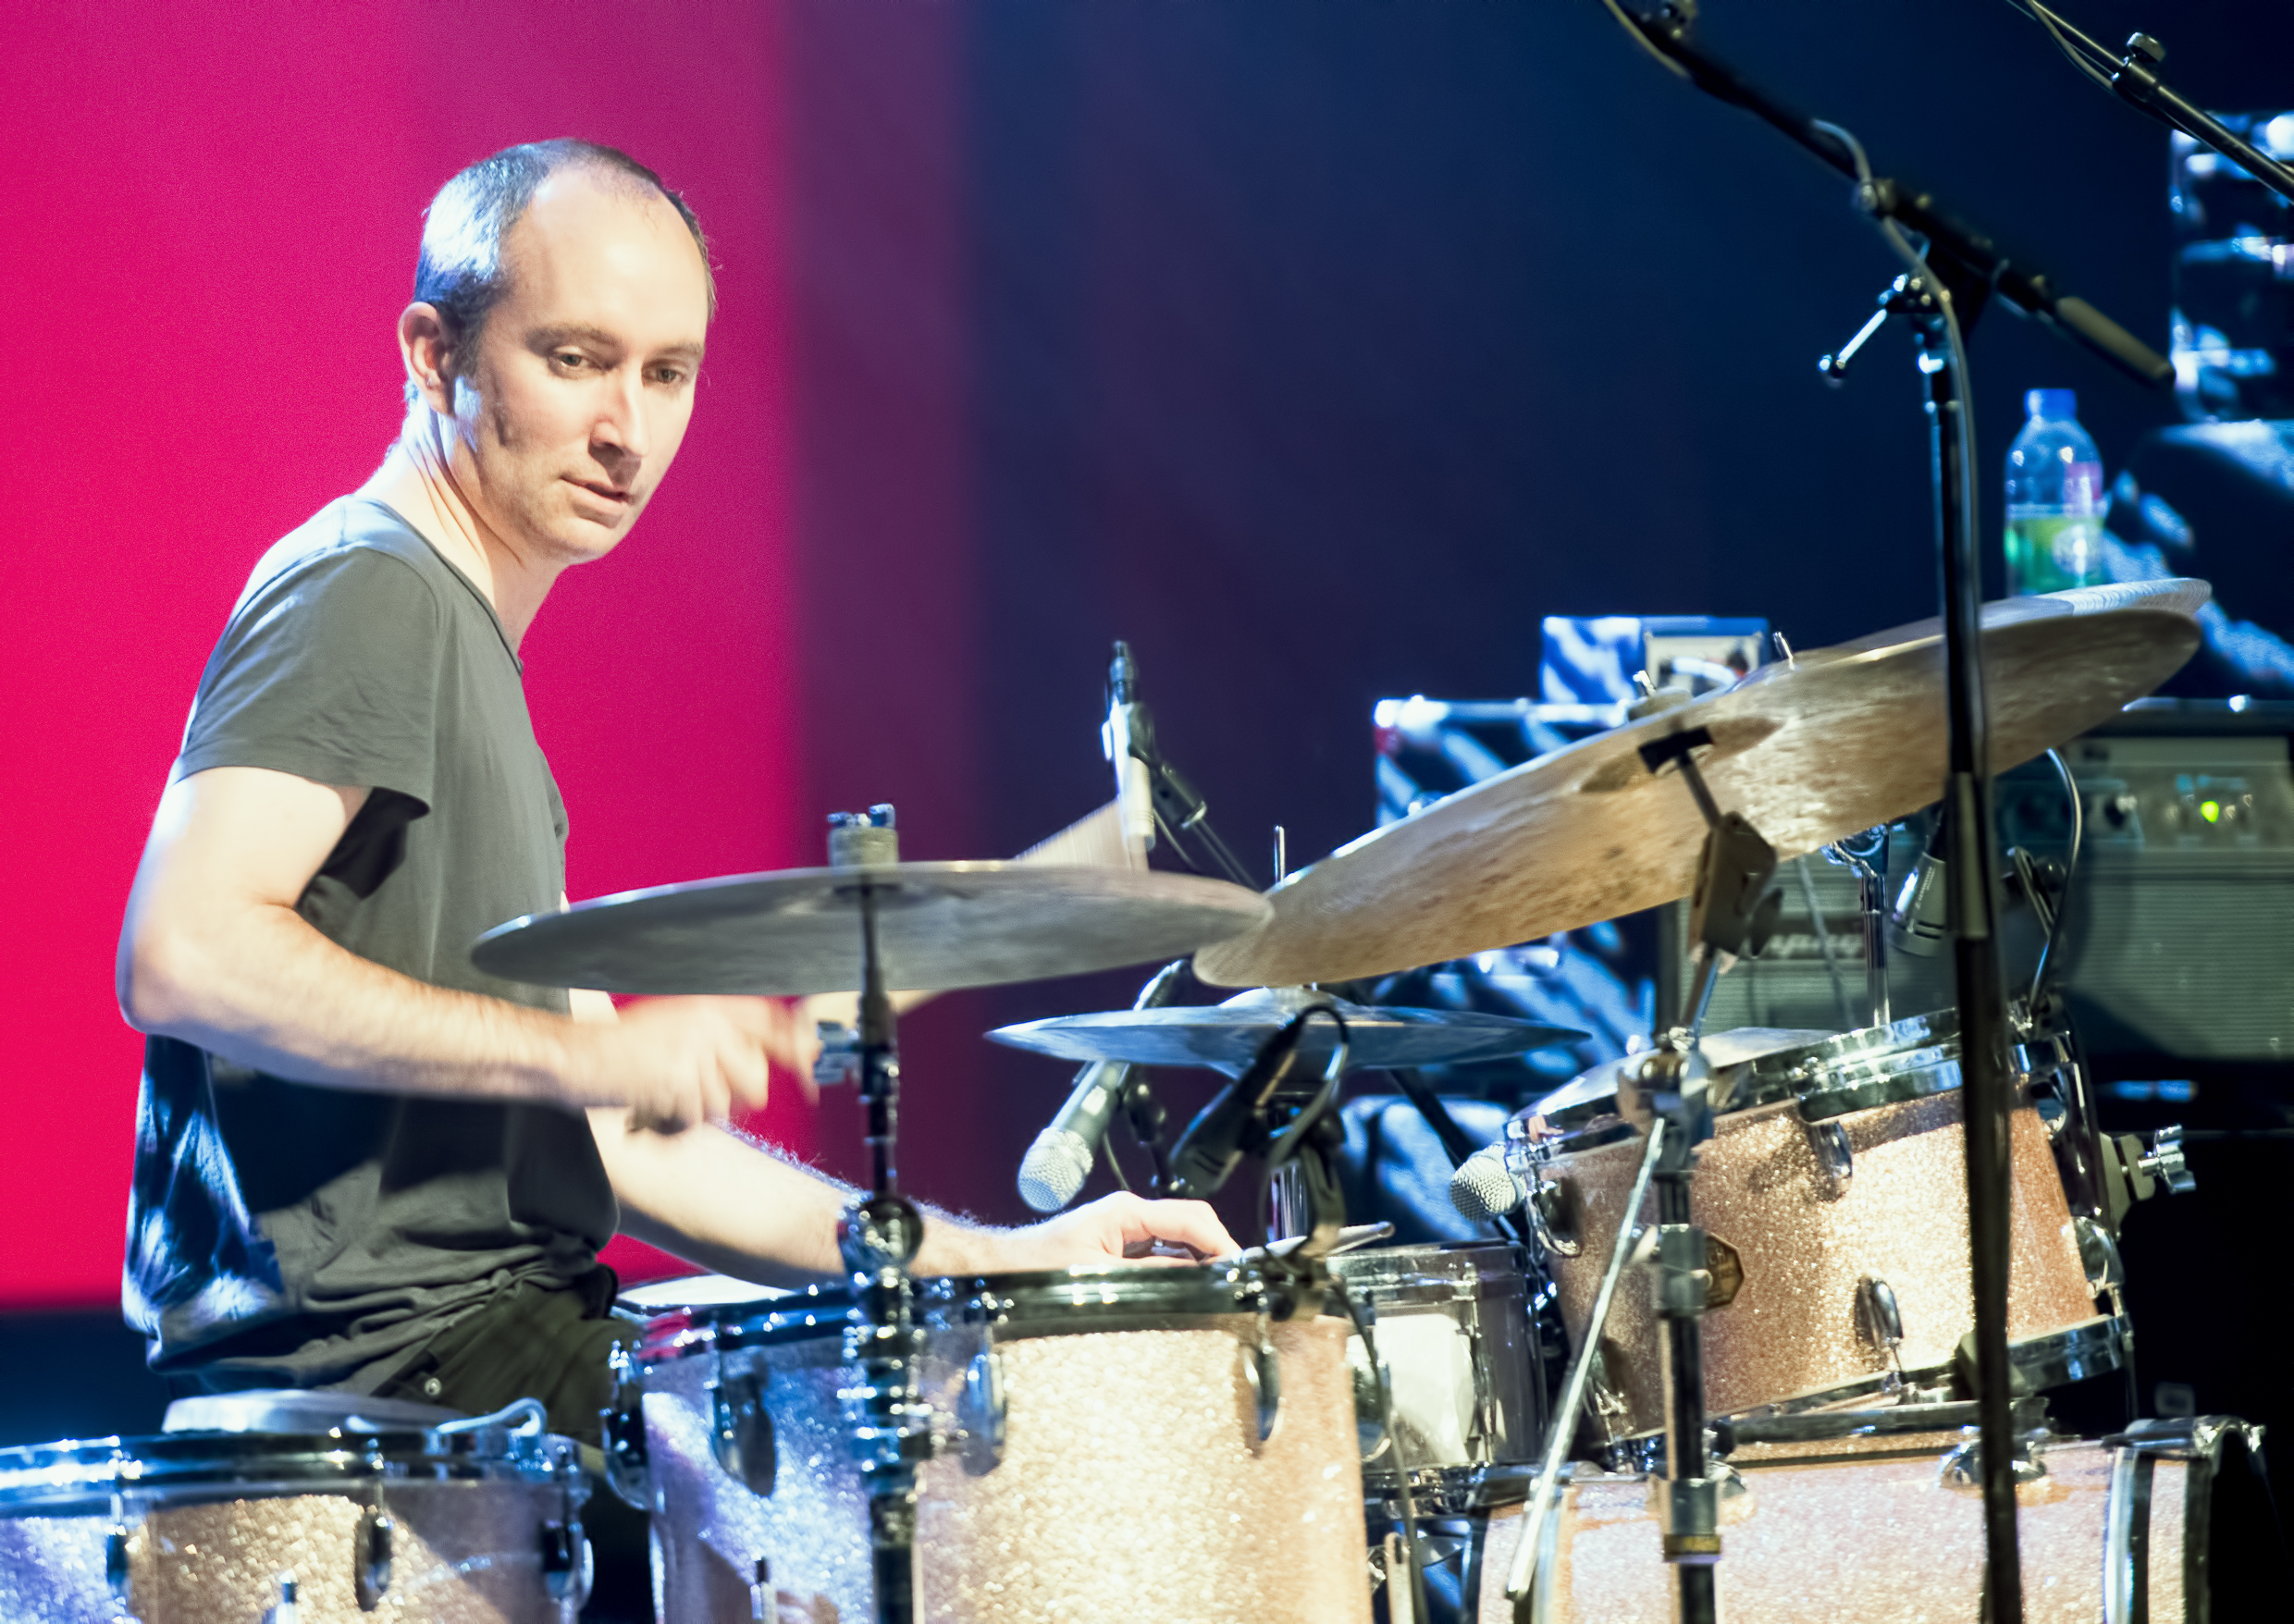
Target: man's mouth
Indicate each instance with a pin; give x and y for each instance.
(606, 492)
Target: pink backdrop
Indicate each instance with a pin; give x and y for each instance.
(217, 207)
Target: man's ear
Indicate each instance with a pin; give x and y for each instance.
(422, 345)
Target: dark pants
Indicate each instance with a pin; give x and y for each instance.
(549, 1342)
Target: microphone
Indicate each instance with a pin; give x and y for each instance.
(1919, 919)
(1484, 1188)
(1135, 802)
(1052, 1173)
(1206, 1153)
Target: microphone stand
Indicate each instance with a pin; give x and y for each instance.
(2134, 74)
(1942, 295)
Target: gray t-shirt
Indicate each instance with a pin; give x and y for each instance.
(280, 1232)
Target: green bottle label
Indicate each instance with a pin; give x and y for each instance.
(2048, 551)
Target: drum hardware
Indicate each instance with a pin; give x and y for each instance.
(371, 1553)
(741, 1432)
(763, 1605)
(1866, 856)
(1829, 1141)
(2137, 1166)
(627, 1469)
(1262, 1373)
(1057, 1164)
(981, 1411)
(287, 1611)
(1880, 1320)
(2100, 1253)
(1962, 1470)
(1632, 1240)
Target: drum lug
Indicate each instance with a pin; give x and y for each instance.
(371, 1557)
(1262, 1373)
(2098, 1254)
(1877, 1320)
(289, 1610)
(980, 1413)
(627, 1466)
(116, 1561)
(1552, 1217)
(568, 1565)
(741, 1434)
(1829, 1141)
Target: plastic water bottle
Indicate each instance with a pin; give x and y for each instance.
(2054, 500)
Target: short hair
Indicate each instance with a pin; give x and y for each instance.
(459, 270)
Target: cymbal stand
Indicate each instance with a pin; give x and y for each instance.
(1944, 291)
(1866, 856)
(1732, 911)
(890, 1426)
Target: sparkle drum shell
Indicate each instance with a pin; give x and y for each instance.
(198, 1527)
(1884, 1531)
(1833, 1165)
(1467, 1392)
(1130, 1480)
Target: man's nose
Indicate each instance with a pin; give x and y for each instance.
(621, 430)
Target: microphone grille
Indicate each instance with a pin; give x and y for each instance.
(1484, 1188)
(1052, 1171)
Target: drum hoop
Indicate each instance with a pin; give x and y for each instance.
(1916, 1058)
(1034, 1303)
(37, 1478)
(1485, 1271)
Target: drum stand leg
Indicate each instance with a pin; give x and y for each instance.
(891, 1428)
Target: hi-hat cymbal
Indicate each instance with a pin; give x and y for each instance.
(1810, 750)
(939, 926)
(1227, 1037)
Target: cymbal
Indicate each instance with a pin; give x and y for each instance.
(939, 926)
(1810, 750)
(1227, 1037)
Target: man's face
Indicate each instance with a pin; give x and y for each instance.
(578, 397)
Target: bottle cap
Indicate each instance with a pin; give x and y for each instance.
(2054, 405)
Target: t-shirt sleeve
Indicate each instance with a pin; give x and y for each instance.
(330, 672)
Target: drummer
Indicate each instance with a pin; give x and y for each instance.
(359, 1162)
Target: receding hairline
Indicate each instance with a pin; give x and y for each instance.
(616, 183)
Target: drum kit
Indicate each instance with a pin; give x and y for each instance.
(1222, 1439)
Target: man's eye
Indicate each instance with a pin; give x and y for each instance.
(570, 359)
(669, 374)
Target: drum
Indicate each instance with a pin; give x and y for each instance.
(1467, 1391)
(1890, 1531)
(420, 1527)
(1834, 1193)
(1111, 1462)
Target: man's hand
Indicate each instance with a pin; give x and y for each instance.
(678, 1061)
(1112, 1228)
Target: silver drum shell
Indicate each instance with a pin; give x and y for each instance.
(1453, 1328)
(1885, 1104)
(1131, 1483)
(1885, 1530)
(212, 1519)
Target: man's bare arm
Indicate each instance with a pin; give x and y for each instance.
(213, 952)
(716, 1199)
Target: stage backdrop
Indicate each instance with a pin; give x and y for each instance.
(1317, 346)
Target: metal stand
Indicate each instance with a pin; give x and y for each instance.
(891, 1428)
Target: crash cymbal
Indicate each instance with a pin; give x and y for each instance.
(1227, 1037)
(1810, 750)
(939, 926)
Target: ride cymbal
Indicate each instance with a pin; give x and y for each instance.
(1810, 750)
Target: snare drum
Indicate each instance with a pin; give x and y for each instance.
(1110, 1464)
(1834, 1192)
(419, 1527)
(1890, 1531)
(1466, 1388)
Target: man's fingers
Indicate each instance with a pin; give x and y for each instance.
(1191, 1224)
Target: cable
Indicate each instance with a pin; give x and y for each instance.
(2070, 47)
(2070, 869)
